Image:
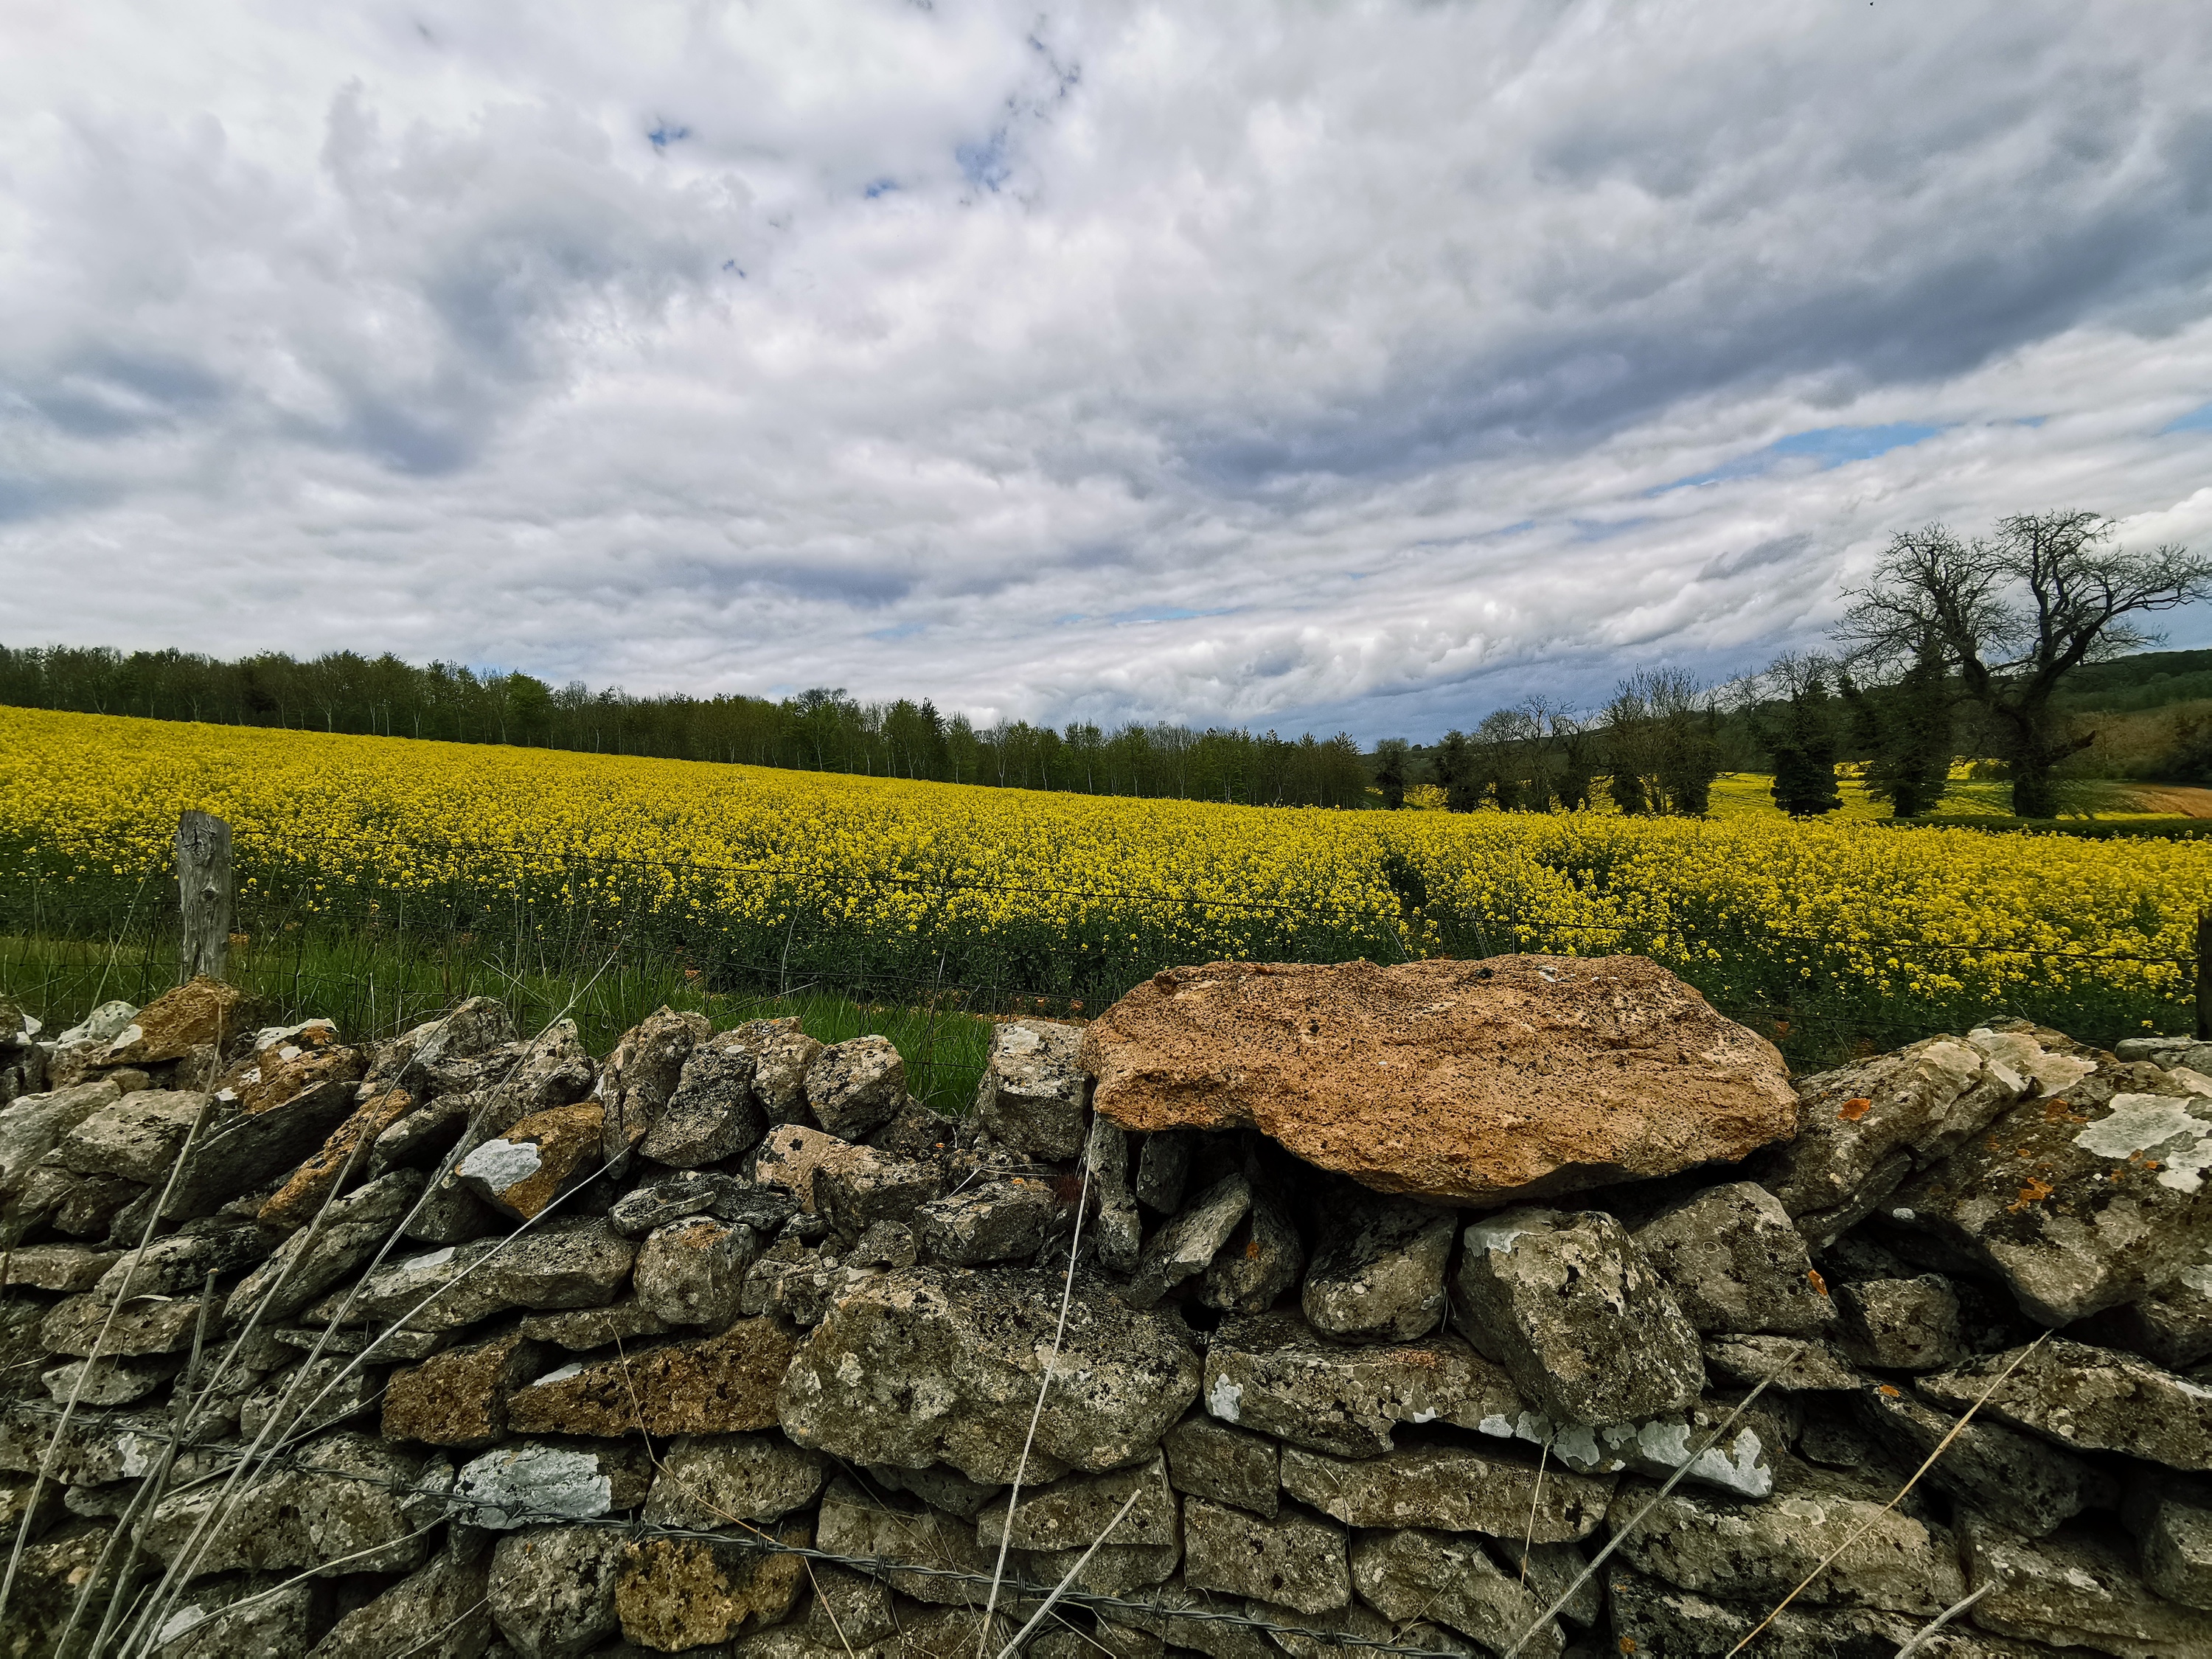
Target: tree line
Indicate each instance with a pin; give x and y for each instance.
(821, 730)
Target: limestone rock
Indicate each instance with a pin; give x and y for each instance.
(1030, 1097)
(183, 1260)
(136, 1137)
(2092, 1399)
(1378, 1275)
(1734, 1262)
(142, 1325)
(724, 1480)
(552, 1590)
(672, 1198)
(641, 1075)
(1900, 1324)
(1863, 1128)
(439, 1290)
(2076, 1589)
(1411, 1574)
(858, 1524)
(716, 1385)
(594, 1327)
(546, 1154)
(200, 1013)
(1712, 1546)
(1118, 1235)
(2172, 1324)
(2173, 1524)
(932, 1365)
(106, 1382)
(2017, 1480)
(1791, 1365)
(855, 1084)
(1262, 1261)
(35, 1125)
(1163, 1167)
(236, 1154)
(1074, 1511)
(459, 1398)
(1000, 1221)
(283, 1062)
(678, 1594)
(1473, 1083)
(714, 1113)
(1567, 1304)
(793, 1155)
(348, 1498)
(297, 1200)
(1184, 1247)
(349, 1233)
(2080, 1202)
(1273, 1375)
(439, 1613)
(1662, 1620)
(849, 1611)
(1210, 1459)
(239, 1617)
(781, 1053)
(536, 1483)
(691, 1272)
(854, 1193)
(1451, 1488)
(1295, 1559)
(329, 1391)
(1738, 1459)
(67, 1268)
(551, 1071)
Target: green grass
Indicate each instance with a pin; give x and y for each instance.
(373, 992)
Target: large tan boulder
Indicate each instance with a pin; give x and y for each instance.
(1466, 1082)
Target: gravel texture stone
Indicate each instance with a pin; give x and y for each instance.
(792, 1155)
(1734, 1262)
(183, 1260)
(584, 1329)
(1378, 1272)
(1566, 1303)
(781, 1053)
(1272, 1374)
(1030, 1096)
(856, 1193)
(442, 1611)
(681, 1595)
(1076, 1509)
(143, 1325)
(350, 1499)
(1451, 1488)
(2171, 1521)
(350, 1234)
(1791, 1365)
(941, 1366)
(66, 1267)
(1474, 1082)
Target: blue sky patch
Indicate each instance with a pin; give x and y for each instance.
(1826, 447)
(2197, 420)
(665, 135)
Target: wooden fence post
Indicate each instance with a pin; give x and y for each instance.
(204, 892)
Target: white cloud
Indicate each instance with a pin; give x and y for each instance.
(1249, 363)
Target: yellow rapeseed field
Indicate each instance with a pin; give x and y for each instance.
(1082, 895)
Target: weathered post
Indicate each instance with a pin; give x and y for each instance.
(203, 892)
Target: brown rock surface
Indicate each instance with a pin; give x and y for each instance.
(722, 1384)
(459, 1398)
(200, 1012)
(1518, 1076)
(296, 1201)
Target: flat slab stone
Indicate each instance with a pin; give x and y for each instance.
(2092, 1399)
(1451, 1488)
(2076, 1589)
(1273, 1375)
(1414, 1574)
(1294, 1560)
(1517, 1076)
(941, 1366)
(720, 1384)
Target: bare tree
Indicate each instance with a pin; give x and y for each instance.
(2015, 614)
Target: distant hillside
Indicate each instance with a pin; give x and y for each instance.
(2149, 679)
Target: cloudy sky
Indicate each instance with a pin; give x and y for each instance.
(1292, 364)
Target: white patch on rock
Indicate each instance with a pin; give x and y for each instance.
(1226, 1398)
(135, 1459)
(1492, 1235)
(1901, 1213)
(2145, 1124)
(1498, 1424)
(2196, 1082)
(129, 1034)
(176, 1624)
(522, 1485)
(428, 1260)
(560, 1374)
(501, 1164)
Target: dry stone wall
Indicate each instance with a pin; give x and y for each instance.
(473, 1343)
